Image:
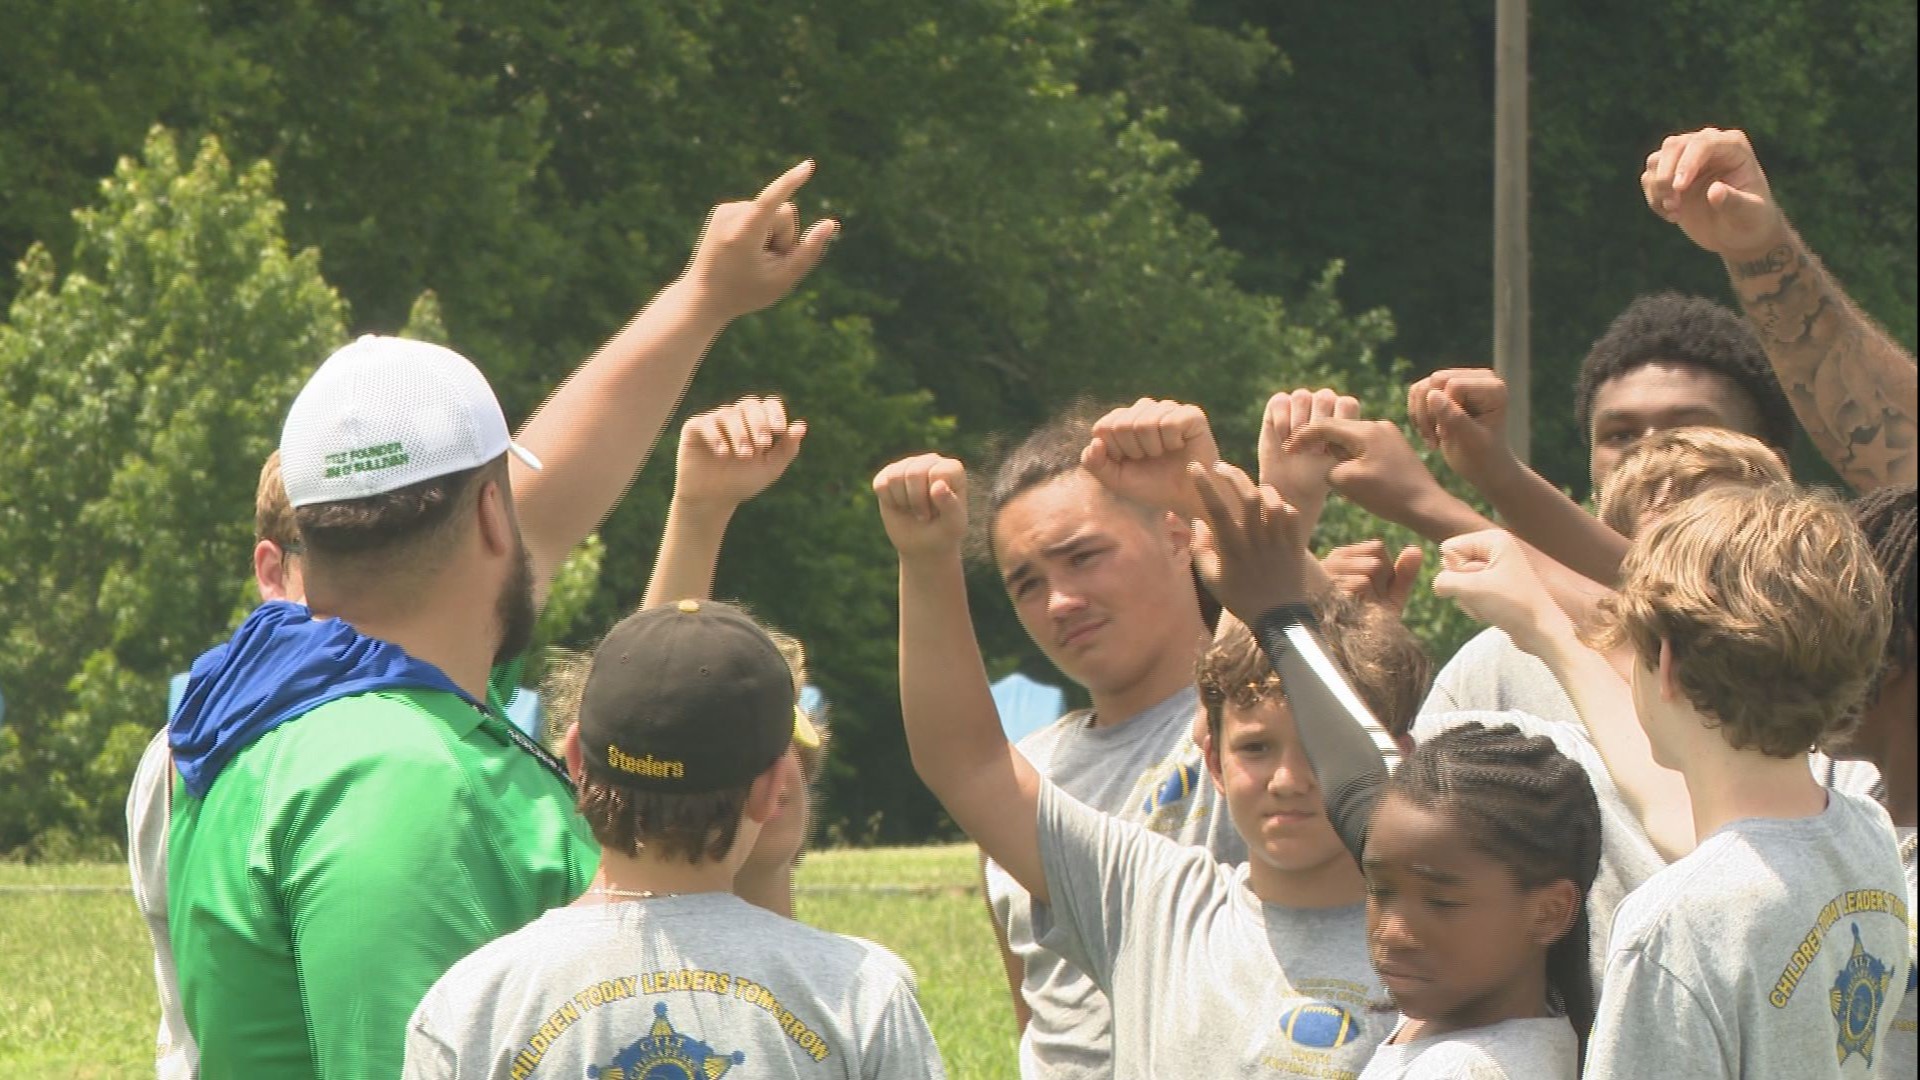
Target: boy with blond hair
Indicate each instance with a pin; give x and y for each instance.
(1669, 467)
(1756, 617)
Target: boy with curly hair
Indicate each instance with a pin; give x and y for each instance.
(1756, 617)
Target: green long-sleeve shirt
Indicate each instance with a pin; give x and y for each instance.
(342, 863)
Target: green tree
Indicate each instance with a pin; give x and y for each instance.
(1373, 143)
(1014, 239)
(139, 393)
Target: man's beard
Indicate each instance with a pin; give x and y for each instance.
(515, 609)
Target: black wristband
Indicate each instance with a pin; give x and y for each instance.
(1286, 615)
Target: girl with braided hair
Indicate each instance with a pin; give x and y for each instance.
(1478, 852)
(1478, 860)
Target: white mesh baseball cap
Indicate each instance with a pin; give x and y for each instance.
(385, 412)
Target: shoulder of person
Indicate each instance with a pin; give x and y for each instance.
(878, 958)
(1457, 1059)
(1037, 745)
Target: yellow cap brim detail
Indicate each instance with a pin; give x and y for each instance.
(805, 735)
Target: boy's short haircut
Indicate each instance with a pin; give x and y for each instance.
(1772, 605)
(1386, 664)
(272, 514)
(1669, 467)
(1676, 329)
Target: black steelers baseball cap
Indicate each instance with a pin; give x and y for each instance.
(687, 697)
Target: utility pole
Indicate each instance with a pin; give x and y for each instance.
(1512, 353)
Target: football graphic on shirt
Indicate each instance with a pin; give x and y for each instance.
(1321, 1025)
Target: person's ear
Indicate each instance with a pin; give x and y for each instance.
(1669, 678)
(494, 517)
(1179, 535)
(1210, 752)
(570, 750)
(269, 570)
(1551, 911)
(763, 798)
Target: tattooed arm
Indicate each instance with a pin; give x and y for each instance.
(1852, 386)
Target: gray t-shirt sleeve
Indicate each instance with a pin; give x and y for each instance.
(428, 1056)
(1649, 1023)
(1103, 874)
(902, 1046)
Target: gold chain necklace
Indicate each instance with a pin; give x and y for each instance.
(631, 894)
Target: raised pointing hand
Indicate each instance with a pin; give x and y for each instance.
(752, 252)
(1246, 543)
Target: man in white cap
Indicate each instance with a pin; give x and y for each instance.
(353, 811)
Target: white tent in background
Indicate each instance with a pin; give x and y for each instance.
(1026, 705)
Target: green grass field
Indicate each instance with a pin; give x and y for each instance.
(76, 976)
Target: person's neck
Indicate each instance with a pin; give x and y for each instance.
(1895, 760)
(628, 877)
(1336, 883)
(1891, 743)
(766, 884)
(1168, 675)
(1728, 785)
(430, 632)
(1523, 999)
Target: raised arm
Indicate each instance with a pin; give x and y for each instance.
(596, 430)
(1377, 469)
(953, 731)
(1299, 474)
(1492, 577)
(1250, 554)
(1141, 452)
(727, 456)
(1462, 412)
(1852, 386)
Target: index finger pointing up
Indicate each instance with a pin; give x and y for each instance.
(784, 187)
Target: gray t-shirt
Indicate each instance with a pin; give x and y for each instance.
(1898, 1058)
(1777, 948)
(1147, 770)
(1535, 1049)
(176, 1055)
(1627, 857)
(692, 985)
(1492, 674)
(1203, 978)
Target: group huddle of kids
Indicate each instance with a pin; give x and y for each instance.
(1658, 820)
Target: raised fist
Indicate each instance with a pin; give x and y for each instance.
(1709, 183)
(1300, 474)
(735, 452)
(923, 504)
(1141, 452)
(1462, 412)
(1491, 577)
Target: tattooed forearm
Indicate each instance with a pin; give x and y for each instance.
(1851, 385)
(1771, 263)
